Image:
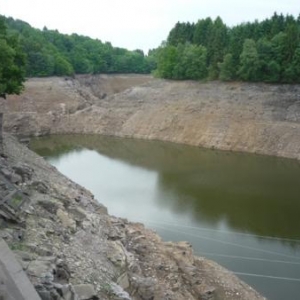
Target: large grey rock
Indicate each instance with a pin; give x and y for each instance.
(66, 291)
(40, 268)
(119, 293)
(66, 221)
(85, 291)
(49, 205)
(45, 295)
(16, 178)
(40, 186)
(6, 173)
(24, 171)
(117, 254)
(62, 271)
(145, 287)
(77, 213)
(123, 281)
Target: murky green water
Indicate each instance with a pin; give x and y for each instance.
(240, 210)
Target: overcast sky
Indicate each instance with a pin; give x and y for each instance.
(137, 24)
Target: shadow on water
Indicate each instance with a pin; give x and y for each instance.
(254, 194)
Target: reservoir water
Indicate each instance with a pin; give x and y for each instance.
(241, 210)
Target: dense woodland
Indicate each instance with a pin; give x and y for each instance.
(49, 52)
(267, 51)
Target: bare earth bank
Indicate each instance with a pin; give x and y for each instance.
(257, 118)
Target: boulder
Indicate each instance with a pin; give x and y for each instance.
(66, 291)
(15, 178)
(40, 269)
(77, 213)
(66, 221)
(85, 292)
(63, 272)
(117, 254)
(49, 205)
(145, 287)
(40, 186)
(123, 281)
(119, 293)
(24, 171)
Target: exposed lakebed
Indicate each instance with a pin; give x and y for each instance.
(238, 209)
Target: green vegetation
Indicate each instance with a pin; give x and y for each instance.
(18, 246)
(12, 62)
(267, 51)
(49, 53)
(16, 201)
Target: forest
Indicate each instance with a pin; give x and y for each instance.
(259, 51)
(266, 51)
(50, 53)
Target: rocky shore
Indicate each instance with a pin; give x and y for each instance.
(235, 116)
(71, 248)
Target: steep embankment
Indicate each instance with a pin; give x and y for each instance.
(256, 118)
(71, 248)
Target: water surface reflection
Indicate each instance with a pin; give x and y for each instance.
(241, 210)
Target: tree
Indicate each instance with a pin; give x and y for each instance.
(12, 68)
(12, 63)
(193, 60)
(249, 61)
(216, 47)
(51, 53)
(62, 66)
(227, 68)
(269, 67)
(167, 59)
(292, 72)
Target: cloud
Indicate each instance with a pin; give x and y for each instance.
(134, 23)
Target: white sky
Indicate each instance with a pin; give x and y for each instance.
(137, 24)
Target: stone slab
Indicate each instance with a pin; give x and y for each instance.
(14, 283)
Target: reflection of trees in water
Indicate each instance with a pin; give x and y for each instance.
(248, 208)
(257, 194)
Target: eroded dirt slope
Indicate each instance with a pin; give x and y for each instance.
(257, 118)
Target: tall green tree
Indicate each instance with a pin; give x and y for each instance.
(269, 67)
(12, 63)
(249, 61)
(12, 68)
(227, 68)
(167, 60)
(216, 47)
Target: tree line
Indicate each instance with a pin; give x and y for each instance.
(266, 51)
(49, 53)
